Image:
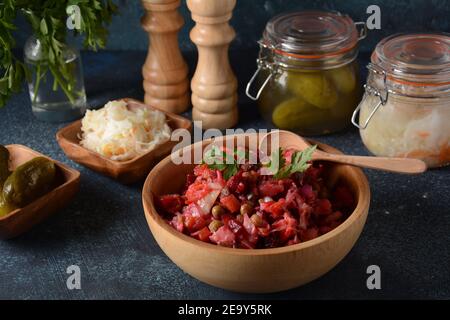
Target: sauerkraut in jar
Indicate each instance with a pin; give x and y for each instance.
(308, 76)
(405, 111)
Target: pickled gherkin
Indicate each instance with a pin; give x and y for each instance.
(295, 112)
(311, 102)
(29, 182)
(314, 87)
(4, 165)
(308, 65)
(344, 79)
(5, 207)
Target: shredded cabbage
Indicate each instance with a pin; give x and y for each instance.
(407, 127)
(121, 134)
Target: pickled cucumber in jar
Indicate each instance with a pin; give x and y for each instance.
(314, 87)
(29, 181)
(314, 75)
(296, 113)
(312, 102)
(343, 78)
(277, 92)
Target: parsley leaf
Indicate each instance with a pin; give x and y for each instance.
(300, 159)
(230, 171)
(299, 162)
(277, 161)
(229, 163)
(223, 161)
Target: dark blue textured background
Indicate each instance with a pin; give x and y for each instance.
(250, 17)
(104, 229)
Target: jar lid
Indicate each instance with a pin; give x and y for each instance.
(415, 59)
(311, 34)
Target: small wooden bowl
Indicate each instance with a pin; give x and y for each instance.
(124, 171)
(22, 219)
(258, 270)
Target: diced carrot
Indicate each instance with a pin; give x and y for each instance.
(423, 134)
(203, 234)
(444, 154)
(231, 203)
(120, 150)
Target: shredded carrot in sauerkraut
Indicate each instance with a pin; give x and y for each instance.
(120, 133)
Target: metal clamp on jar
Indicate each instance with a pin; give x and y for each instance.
(405, 111)
(308, 77)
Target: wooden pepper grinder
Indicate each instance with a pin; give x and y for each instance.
(165, 72)
(214, 86)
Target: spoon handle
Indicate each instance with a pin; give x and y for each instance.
(400, 165)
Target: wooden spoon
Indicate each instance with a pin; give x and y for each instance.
(289, 139)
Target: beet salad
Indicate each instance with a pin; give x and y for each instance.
(241, 206)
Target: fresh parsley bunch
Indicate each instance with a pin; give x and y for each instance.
(48, 23)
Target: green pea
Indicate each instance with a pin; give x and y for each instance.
(215, 225)
(246, 209)
(257, 220)
(217, 211)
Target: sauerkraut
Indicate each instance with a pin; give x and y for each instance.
(120, 133)
(408, 127)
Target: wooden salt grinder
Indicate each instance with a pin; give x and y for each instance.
(214, 86)
(165, 72)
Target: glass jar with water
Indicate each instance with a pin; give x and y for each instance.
(51, 101)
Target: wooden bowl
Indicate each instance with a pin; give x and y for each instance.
(257, 270)
(22, 219)
(124, 171)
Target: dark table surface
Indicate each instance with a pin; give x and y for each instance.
(104, 230)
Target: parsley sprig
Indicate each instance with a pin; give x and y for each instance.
(48, 23)
(223, 161)
(229, 163)
(300, 161)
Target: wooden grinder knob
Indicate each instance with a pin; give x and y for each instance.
(214, 86)
(165, 72)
